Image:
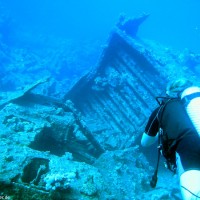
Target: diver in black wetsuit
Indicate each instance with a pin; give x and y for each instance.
(180, 137)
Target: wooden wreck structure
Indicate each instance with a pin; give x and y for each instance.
(116, 98)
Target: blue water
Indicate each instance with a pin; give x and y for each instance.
(80, 29)
(172, 22)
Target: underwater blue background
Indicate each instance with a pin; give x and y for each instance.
(77, 32)
(172, 22)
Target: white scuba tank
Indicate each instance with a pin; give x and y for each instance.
(193, 106)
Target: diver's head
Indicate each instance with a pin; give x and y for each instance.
(175, 88)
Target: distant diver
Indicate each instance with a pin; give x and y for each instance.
(131, 25)
(176, 125)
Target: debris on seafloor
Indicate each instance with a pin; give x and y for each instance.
(18, 95)
(131, 25)
(86, 145)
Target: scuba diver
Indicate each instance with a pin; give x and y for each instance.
(176, 126)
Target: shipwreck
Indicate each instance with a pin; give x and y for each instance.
(54, 148)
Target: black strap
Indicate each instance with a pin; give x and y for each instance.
(154, 178)
(190, 192)
(186, 100)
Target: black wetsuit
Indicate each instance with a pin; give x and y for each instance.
(174, 121)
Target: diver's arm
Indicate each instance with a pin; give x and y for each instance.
(151, 130)
(148, 140)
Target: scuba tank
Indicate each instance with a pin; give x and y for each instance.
(190, 97)
(191, 100)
